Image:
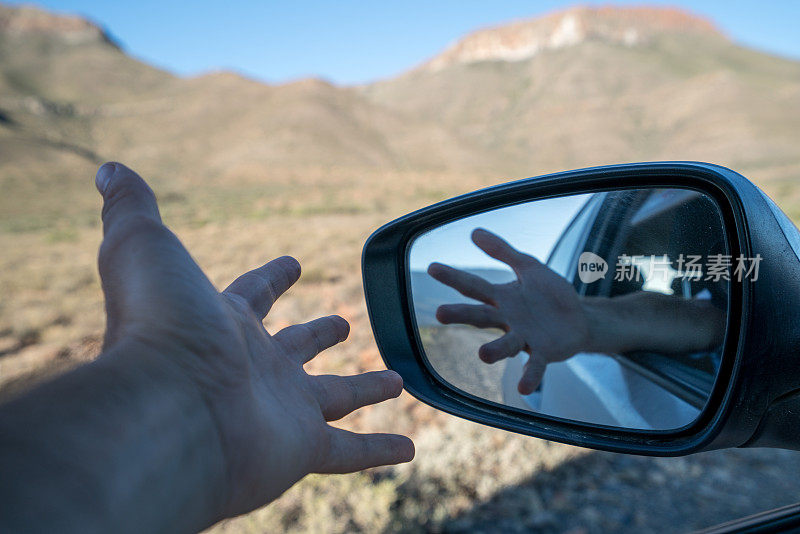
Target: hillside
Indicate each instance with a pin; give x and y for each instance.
(601, 85)
(71, 98)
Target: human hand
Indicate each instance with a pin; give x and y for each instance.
(270, 416)
(540, 311)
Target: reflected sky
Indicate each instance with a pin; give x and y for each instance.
(531, 227)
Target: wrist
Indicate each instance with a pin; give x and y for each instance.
(607, 333)
(171, 429)
(123, 437)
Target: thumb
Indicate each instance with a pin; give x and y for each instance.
(125, 195)
(132, 236)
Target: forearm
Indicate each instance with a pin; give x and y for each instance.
(654, 322)
(114, 440)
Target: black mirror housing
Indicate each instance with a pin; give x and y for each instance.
(755, 400)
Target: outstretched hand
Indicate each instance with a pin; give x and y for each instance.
(540, 312)
(270, 416)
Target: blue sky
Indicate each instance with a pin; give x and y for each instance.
(350, 42)
(533, 227)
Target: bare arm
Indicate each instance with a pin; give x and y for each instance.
(653, 322)
(117, 445)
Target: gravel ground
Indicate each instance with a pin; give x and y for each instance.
(566, 489)
(603, 492)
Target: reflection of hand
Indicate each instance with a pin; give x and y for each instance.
(193, 412)
(540, 311)
(543, 315)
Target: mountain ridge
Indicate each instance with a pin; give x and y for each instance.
(27, 20)
(512, 41)
(523, 39)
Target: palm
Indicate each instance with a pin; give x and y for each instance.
(540, 312)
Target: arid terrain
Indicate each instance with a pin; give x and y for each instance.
(246, 171)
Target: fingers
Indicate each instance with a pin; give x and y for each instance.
(340, 395)
(350, 452)
(478, 315)
(125, 195)
(304, 341)
(467, 284)
(503, 347)
(261, 287)
(532, 374)
(499, 249)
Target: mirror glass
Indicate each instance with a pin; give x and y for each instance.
(607, 308)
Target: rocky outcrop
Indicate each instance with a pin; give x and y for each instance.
(524, 39)
(26, 21)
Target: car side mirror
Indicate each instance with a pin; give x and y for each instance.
(643, 308)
